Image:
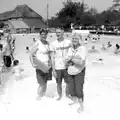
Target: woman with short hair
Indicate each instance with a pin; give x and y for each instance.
(76, 62)
(40, 59)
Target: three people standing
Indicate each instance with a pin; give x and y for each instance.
(62, 55)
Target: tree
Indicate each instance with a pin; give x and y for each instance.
(93, 11)
(71, 12)
(2, 25)
(87, 19)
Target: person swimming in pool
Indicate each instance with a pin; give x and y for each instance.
(27, 49)
(93, 49)
(103, 47)
(86, 41)
(34, 40)
(117, 49)
(98, 61)
(109, 44)
(1, 47)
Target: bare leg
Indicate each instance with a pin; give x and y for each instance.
(81, 107)
(67, 91)
(74, 101)
(59, 90)
(41, 91)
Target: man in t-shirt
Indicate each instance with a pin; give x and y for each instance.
(59, 50)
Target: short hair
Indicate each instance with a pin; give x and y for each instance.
(1, 34)
(43, 31)
(15, 62)
(59, 28)
(77, 34)
(117, 46)
(27, 48)
(1, 46)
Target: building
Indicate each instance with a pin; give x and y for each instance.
(23, 18)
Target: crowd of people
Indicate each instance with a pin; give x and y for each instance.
(8, 63)
(104, 47)
(61, 59)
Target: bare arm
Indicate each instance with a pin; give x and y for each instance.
(4, 49)
(32, 52)
(53, 60)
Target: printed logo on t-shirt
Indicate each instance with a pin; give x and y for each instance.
(62, 48)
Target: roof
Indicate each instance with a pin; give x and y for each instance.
(35, 23)
(18, 24)
(21, 11)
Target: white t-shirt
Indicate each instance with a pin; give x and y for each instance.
(80, 52)
(42, 52)
(60, 49)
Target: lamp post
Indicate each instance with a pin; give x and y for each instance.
(47, 15)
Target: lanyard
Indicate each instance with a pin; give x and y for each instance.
(48, 50)
(62, 48)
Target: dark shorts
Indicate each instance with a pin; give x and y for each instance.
(7, 61)
(75, 84)
(62, 74)
(42, 77)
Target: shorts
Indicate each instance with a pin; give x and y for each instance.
(42, 77)
(7, 61)
(61, 74)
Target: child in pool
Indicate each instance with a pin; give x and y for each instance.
(93, 50)
(103, 47)
(17, 70)
(86, 41)
(1, 47)
(27, 49)
(109, 44)
(98, 61)
(117, 49)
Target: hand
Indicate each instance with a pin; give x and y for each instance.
(54, 74)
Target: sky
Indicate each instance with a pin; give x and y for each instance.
(40, 6)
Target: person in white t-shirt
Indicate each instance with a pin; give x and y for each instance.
(59, 50)
(76, 62)
(41, 53)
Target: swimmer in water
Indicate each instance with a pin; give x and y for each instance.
(93, 49)
(109, 44)
(34, 40)
(27, 49)
(86, 41)
(17, 70)
(98, 37)
(103, 47)
(117, 49)
(6, 52)
(1, 47)
(98, 61)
